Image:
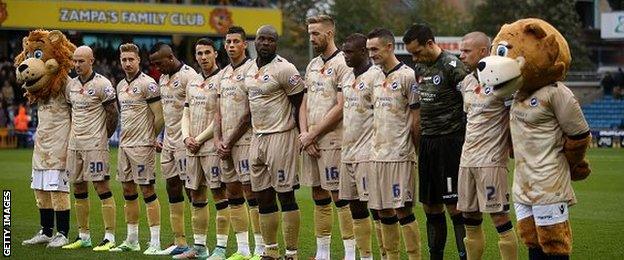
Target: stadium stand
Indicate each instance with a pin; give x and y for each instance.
(605, 113)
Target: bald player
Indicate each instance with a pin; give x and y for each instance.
(94, 119)
(141, 122)
(357, 137)
(321, 135)
(275, 90)
(233, 135)
(482, 183)
(173, 82)
(197, 130)
(396, 118)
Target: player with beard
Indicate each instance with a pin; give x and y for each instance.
(321, 135)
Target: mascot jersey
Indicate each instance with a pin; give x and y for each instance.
(52, 131)
(173, 93)
(542, 173)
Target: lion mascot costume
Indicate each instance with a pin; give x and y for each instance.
(550, 135)
(42, 69)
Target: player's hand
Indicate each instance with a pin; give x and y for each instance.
(313, 150)
(191, 144)
(306, 139)
(223, 150)
(158, 146)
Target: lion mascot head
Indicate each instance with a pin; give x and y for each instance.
(526, 55)
(44, 64)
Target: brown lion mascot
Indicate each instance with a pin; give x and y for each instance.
(42, 69)
(549, 132)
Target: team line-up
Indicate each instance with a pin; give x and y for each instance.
(361, 128)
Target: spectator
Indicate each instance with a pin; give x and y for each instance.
(21, 127)
(7, 92)
(619, 84)
(608, 83)
(4, 116)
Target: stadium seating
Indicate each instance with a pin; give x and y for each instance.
(605, 113)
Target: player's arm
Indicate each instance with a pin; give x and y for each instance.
(577, 136)
(112, 116)
(293, 86)
(457, 73)
(155, 105)
(186, 123)
(157, 112)
(415, 128)
(414, 105)
(298, 100)
(301, 112)
(206, 134)
(329, 122)
(217, 122)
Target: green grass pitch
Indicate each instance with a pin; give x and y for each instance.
(597, 220)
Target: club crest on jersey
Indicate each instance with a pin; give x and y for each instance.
(239, 77)
(91, 92)
(533, 102)
(360, 86)
(436, 80)
(211, 85)
(152, 87)
(265, 77)
(487, 90)
(176, 84)
(135, 90)
(395, 85)
(330, 71)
